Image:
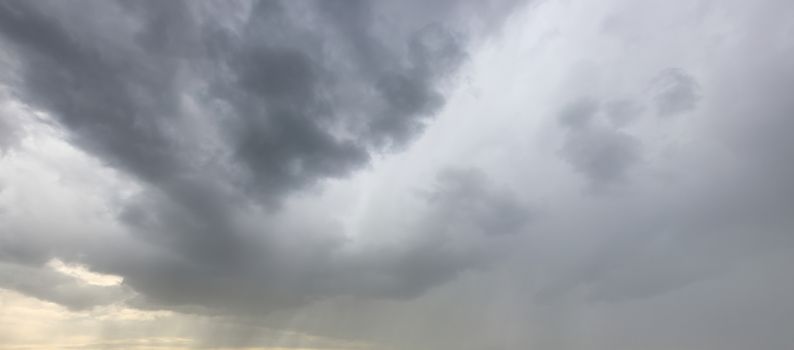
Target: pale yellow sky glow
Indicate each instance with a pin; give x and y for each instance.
(30, 324)
(83, 274)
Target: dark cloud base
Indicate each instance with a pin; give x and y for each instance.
(221, 110)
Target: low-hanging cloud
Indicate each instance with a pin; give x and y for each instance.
(220, 111)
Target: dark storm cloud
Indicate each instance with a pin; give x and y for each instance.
(300, 91)
(113, 105)
(466, 218)
(220, 109)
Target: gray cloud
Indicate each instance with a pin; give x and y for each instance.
(622, 112)
(276, 96)
(48, 284)
(691, 249)
(594, 148)
(466, 196)
(675, 92)
(468, 220)
(223, 109)
(9, 134)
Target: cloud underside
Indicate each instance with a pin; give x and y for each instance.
(220, 111)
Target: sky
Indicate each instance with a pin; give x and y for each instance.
(392, 175)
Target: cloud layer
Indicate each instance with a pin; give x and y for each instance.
(392, 175)
(218, 111)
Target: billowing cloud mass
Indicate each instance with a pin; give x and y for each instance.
(220, 110)
(396, 175)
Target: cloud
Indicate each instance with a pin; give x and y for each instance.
(293, 102)
(52, 285)
(221, 112)
(467, 219)
(622, 112)
(466, 196)
(464, 220)
(676, 92)
(11, 132)
(268, 180)
(596, 149)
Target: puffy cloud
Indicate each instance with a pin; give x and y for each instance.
(219, 111)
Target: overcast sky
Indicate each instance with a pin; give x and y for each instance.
(392, 175)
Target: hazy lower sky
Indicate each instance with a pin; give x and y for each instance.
(394, 175)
